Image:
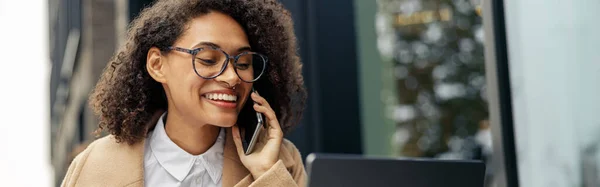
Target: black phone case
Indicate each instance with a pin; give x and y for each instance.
(247, 121)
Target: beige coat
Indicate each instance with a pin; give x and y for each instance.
(108, 163)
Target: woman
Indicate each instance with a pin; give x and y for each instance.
(173, 99)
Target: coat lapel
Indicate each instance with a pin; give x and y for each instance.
(233, 169)
(136, 166)
(135, 162)
(109, 163)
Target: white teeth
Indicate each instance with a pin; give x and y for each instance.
(224, 97)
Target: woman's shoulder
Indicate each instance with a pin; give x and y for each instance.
(289, 145)
(107, 161)
(292, 160)
(289, 154)
(107, 147)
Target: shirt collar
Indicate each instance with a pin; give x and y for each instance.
(179, 162)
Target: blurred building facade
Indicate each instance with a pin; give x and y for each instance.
(83, 36)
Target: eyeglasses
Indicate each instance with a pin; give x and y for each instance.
(210, 62)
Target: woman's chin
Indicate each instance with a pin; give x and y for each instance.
(224, 122)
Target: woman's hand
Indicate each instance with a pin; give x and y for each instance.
(266, 150)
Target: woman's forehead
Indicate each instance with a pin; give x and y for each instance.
(216, 28)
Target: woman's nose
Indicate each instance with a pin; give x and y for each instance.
(229, 75)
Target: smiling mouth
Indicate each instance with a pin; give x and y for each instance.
(221, 97)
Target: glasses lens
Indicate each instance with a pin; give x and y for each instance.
(250, 66)
(209, 62)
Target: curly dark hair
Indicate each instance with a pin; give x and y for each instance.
(126, 97)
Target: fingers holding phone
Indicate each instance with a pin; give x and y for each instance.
(271, 123)
(265, 152)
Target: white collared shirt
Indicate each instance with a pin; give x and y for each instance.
(166, 164)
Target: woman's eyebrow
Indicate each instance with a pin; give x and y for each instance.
(208, 44)
(244, 48)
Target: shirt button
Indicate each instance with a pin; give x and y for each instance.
(178, 183)
(199, 180)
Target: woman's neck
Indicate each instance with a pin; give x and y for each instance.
(192, 138)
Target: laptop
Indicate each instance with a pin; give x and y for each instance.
(326, 170)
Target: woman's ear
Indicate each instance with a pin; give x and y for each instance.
(155, 65)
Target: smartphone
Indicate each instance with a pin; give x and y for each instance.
(251, 127)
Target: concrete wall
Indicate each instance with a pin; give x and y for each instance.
(555, 74)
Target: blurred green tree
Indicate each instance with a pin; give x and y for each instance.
(436, 47)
